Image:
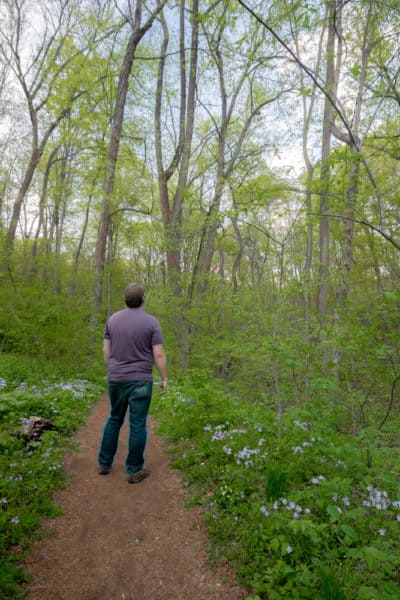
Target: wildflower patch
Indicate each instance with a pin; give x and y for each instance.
(294, 508)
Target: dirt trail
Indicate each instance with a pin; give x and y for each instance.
(117, 541)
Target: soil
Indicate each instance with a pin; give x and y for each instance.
(120, 541)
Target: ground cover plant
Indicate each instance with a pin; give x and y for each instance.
(300, 511)
(30, 471)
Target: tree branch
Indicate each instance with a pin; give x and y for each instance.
(385, 418)
(333, 100)
(361, 222)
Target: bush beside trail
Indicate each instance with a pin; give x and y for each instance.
(294, 506)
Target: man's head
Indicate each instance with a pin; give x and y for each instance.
(134, 295)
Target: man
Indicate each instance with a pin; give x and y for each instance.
(132, 343)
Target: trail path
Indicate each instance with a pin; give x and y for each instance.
(117, 541)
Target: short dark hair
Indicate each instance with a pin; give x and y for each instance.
(134, 295)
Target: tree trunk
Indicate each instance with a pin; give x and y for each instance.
(12, 228)
(322, 297)
(237, 262)
(42, 202)
(79, 248)
(61, 210)
(347, 248)
(307, 115)
(3, 189)
(354, 170)
(374, 259)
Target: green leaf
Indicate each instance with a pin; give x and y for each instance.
(356, 70)
(366, 593)
(306, 528)
(355, 553)
(350, 535)
(333, 512)
(374, 557)
(390, 591)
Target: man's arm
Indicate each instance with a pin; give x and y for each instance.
(106, 348)
(161, 362)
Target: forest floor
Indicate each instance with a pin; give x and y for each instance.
(120, 541)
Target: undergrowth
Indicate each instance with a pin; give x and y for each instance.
(31, 471)
(300, 508)
(297, 508)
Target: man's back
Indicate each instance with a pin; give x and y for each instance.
(132, 334)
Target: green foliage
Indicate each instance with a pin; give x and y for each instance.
(36, 321)
(30, 471)
(295, 510)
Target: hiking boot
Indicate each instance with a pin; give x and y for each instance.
(104, 470)
(139, 476)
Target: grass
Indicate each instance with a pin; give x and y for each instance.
(296, 510)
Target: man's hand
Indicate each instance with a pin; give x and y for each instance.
(164, 386)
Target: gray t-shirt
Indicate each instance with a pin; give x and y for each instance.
(132, 334)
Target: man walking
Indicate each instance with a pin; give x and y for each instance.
(132, 343)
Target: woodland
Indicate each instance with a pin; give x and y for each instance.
(241, 160)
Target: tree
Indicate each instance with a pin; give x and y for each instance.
(39, 76)
(308, 92)
(172, 201)
(230, 129)
(332, 61)
(137, 32)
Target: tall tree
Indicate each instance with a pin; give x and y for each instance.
(332, 60)
(137, 32)
(308, 92)
(172, 201)
(355, 145)
(231, 129)
(39, 76)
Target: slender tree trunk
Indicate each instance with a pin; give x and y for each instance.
(207, 243)
(12, 228)
(221, 268)
(42, 201)
(173, 260)
(374, 258)
(112, 155)
(110, 259)
(308, 108)
(238, 260)
(65, 184)
(276, 366)
(347, 248)
(307, 116)
(322, 297)
(79, 248)
(3, 189)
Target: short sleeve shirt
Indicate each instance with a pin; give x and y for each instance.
(132, 334)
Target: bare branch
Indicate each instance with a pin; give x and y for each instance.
(387, 237)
